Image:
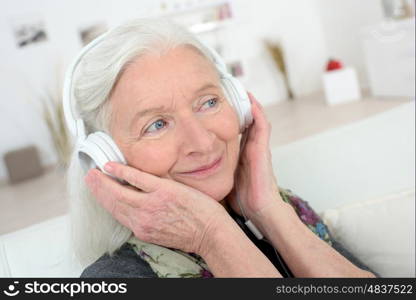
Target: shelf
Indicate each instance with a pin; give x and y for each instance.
(208, 26)
(192, 8)
(203, 18)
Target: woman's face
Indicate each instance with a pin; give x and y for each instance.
(170, 118)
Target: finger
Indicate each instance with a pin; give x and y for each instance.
(258, 112)
(254, 101)
(111, 194)
(124, 220)
(118, 204)
(122, 213)
(262, 127)
(139, 179)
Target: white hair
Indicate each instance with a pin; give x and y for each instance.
(94, 231)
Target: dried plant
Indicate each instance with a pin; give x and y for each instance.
(276, 51)
(53, 115)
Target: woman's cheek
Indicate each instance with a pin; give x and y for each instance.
(153, 158)
(228, 124)
(231, 135)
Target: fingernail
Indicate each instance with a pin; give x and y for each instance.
(108, 167)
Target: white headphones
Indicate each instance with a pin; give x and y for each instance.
(98, 148)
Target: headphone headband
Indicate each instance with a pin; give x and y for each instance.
(75, 123)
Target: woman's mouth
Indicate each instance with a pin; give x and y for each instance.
(205, 171)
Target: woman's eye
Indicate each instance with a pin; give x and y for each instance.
(210, 103)
(156, 126)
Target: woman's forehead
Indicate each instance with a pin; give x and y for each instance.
(181, 69)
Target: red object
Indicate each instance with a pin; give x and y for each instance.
(333, 64)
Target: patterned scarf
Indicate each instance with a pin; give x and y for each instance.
(174, 263)
(171, 263)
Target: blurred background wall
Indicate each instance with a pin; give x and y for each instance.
(309, 31)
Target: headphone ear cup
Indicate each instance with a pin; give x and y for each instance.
(239, 99)
(97, 150)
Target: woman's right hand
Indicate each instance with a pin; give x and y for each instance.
(255, 183)
(158, 210)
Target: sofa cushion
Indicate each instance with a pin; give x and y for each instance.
(380, 232)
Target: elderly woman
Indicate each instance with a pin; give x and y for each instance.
(177, 204)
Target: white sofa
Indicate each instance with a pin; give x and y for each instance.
(41, 250)
(360, 178)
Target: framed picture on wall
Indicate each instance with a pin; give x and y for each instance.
(29, 30)
(398, 9)
(90, 32)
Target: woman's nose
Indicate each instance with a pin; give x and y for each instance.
(196, 137)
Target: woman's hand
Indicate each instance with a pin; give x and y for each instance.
(158, 210)
(255, 181)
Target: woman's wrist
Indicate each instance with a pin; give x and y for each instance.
(213, 227)
(276, 207)
(228, 252)
(275, 218)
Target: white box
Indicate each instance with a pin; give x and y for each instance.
(341, 86)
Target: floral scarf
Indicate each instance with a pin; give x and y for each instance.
(173, 263)
(169, 262)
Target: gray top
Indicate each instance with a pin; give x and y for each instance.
(125, 263)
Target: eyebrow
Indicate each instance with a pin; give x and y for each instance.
(162, 108)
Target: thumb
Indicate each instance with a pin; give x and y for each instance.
(139, 179)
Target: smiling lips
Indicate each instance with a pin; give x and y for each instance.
(206, 170)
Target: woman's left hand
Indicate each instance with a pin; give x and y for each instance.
(255, 181)
(159, 210)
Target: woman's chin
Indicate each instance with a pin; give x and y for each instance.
(216, 188)
(219, 192)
